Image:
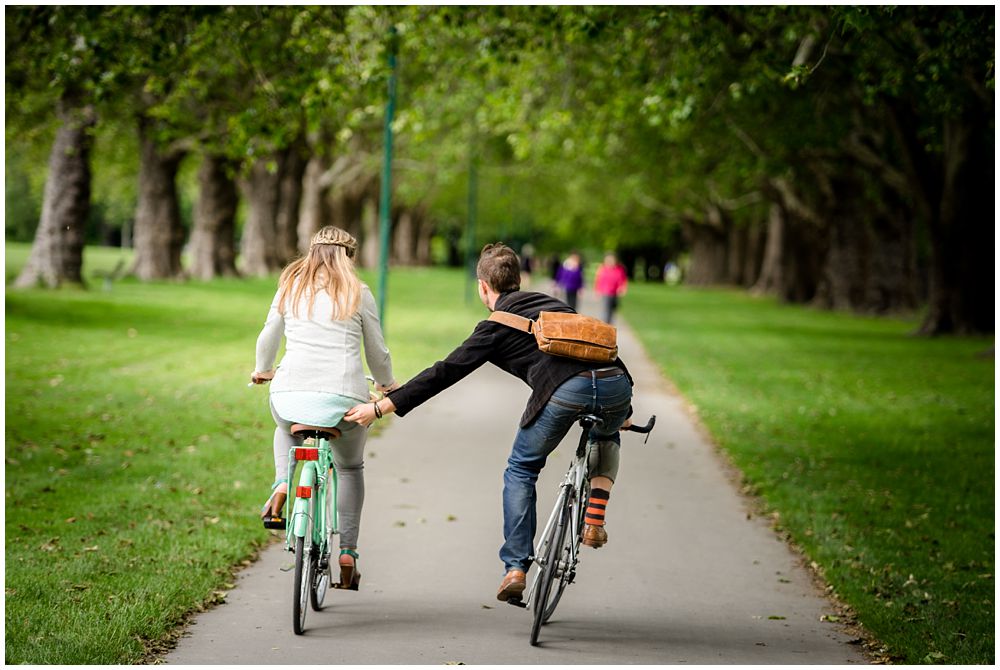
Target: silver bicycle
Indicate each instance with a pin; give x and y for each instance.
(559, 549)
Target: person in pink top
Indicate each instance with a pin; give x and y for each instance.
(610, 283)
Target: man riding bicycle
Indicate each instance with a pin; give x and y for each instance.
(562, 389)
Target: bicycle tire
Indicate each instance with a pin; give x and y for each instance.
(553, 546)
(565, 570)
(301, 585)
(320, 582)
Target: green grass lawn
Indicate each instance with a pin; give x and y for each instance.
(136, 456)
(874, 450)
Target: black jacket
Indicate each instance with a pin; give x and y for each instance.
(510, 350)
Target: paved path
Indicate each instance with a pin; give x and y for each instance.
(686, 576)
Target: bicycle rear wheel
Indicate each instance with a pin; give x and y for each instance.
(320, 581)
(551, 549)
(565, 562)
(301, 583)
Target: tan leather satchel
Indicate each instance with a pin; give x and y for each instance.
(567, 335)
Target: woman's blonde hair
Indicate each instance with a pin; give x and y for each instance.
(329, 266)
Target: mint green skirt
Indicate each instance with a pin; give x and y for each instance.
(314, 408)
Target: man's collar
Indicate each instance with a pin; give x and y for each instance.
(503, 297)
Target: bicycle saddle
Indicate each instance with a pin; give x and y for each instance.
(305, 430)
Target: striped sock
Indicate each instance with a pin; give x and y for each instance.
(596, 507)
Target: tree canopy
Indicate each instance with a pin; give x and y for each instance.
(839, 155)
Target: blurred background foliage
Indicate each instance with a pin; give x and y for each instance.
(839, 156)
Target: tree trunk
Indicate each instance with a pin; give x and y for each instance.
(962, 234)
(845, 272)
(709, 248)
(801, 247)
(770, 279)
(258, 247)
(425, 233)
(158, 235)
(405, 238)
(213, 239)
(894, 283)
(369, 232)
(289, 201)
(754, 256)
(314, 208)
(57, 252)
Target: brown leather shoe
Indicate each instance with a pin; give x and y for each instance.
(594, 536)
(512, 586)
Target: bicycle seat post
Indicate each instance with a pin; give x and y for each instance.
(587, 423)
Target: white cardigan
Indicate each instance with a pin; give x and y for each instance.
(322, 354)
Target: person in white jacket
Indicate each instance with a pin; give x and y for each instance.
(325, 313)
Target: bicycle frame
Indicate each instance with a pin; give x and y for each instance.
(318, 475)
(572, 485)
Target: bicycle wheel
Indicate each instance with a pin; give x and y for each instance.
(321, 576)
(301, 584)
(565, 564)
(552, 548)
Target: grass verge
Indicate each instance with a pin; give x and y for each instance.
(136, 456)
(873, 449)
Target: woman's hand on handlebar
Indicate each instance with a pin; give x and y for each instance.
(385, 389)
(261, 377)
(627, 424)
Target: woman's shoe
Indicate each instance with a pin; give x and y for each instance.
(350, 578)
(273, 512)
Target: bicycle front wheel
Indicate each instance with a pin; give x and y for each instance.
(552, 546)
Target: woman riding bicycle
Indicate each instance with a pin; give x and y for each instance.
(325, 313)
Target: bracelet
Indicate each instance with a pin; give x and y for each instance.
(378, 412)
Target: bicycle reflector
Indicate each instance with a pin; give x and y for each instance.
(304, 491)
(306, 454)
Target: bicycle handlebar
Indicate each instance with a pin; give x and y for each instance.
(643, 429)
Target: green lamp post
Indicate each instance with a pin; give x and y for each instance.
(385, 200)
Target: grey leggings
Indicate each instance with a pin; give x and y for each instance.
(348, 457)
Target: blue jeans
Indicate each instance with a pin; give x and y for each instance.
(608, 398)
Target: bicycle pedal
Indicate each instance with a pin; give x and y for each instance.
(275, 523)
(517, 602)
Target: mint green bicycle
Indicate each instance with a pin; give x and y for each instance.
(311, 521)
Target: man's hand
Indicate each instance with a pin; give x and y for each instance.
(261, 377)
(363, 414)
(628, 422)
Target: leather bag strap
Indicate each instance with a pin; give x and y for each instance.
(512, 320)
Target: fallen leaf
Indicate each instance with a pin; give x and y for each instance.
(94, 548)
(72, 519)
(774, 617)
(832, 618)
(399, 524)
(451, 517)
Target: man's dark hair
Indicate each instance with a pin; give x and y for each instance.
(499, 267)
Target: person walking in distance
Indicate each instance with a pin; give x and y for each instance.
(570, 279)
(610, 283)
(325, 313)
(561, 389)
